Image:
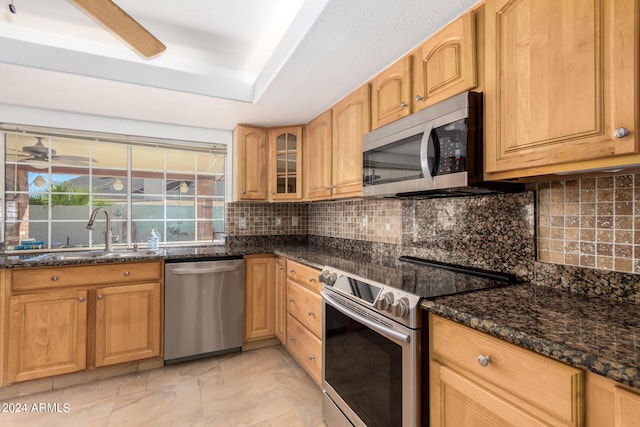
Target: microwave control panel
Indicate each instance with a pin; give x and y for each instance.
(452, 147)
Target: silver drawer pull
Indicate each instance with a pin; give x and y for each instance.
(81, 299)
(311, 279)
(99, 296)
(292, 300)
(54, 278)
(292, 271)
(484, 360)
(312, 357)
(126, 273)
(310, 313)
(292, 338)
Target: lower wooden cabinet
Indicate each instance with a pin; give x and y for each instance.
(305, 347)
(479, 380)
(47, 334)
(611, 404)
(68, 319)
(280, 303)
(127, 323)
(259, 297)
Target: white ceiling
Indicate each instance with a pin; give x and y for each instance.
(265, 62)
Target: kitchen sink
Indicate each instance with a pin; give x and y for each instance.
(78, 256)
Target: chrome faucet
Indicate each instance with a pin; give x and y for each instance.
(107, 235)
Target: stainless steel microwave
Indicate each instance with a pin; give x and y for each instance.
(437, 148)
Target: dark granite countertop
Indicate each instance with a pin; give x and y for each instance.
(594, 333)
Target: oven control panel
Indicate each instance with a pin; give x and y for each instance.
(391, 302)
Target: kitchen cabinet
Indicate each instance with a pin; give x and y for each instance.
(610, 403)
(479, 380)
(317, 157)
(333, 153)
(72, 318)
(127, 323)
(285, 167)
(281, 300)
(250, 163)
(561, 86)
(445, 64)
(304, 318)
(391, 93)
(259, 297)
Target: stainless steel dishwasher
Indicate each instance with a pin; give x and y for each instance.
(203, 311)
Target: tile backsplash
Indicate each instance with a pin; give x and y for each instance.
(590, 222)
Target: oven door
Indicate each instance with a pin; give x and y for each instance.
(371, 367)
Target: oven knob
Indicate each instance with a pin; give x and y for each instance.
(384, 302)
(327, 277)
(401, 308)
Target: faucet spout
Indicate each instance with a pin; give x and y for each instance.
(108, 234)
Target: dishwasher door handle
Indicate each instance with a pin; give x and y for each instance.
(205, 270)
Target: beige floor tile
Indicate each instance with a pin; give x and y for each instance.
(258, 388)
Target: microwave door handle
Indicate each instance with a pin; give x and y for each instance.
(424, 152)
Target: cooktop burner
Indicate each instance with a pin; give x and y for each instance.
(396, 292)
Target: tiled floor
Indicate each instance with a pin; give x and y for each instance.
(262, 387)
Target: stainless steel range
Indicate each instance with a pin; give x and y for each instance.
(372, 338)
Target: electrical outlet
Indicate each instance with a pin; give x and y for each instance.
(365, 222)
(278, 221)
(242, 223)
(294, 221)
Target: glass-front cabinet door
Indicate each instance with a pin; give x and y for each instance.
(285, 147)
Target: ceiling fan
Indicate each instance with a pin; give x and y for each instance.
(38, 154)
(122, 25)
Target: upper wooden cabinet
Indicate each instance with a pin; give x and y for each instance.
(351, 120)
(333, 148)
(317, 157)
(445, 64)
(285, 167)
(391, 93)
(250, 163)
(561, 84)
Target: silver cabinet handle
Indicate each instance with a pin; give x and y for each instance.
(484, 360)
(312, 357)
(81, 299)
(54, 278)
(403, 104)
(244, 192)
(620, 133)
(292, 300)
(310, 313)
(273, 192)
(292, 271)
(292, 338)
(419, 98)
(311, 279)
(126, 273)
(99, 296)
(280, 268)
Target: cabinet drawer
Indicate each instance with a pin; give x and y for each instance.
(304, 275)
(537, 380)
(83, 275)
(305, 347)
(306, 306)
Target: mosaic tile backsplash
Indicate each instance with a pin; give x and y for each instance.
(590, 222)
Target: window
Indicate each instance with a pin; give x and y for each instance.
(53, 183)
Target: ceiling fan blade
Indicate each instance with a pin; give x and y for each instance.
(124, 26)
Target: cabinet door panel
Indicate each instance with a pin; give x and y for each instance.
(446, 63)
(250, 170)
(458, 401)
(281, 301)
(128, 323)
(47, 335)
(350, 123)
(561, 76)
(317, 166)
(285, 153)
(391, 93)
(259, 305)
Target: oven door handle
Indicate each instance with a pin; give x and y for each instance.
(373, 325)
